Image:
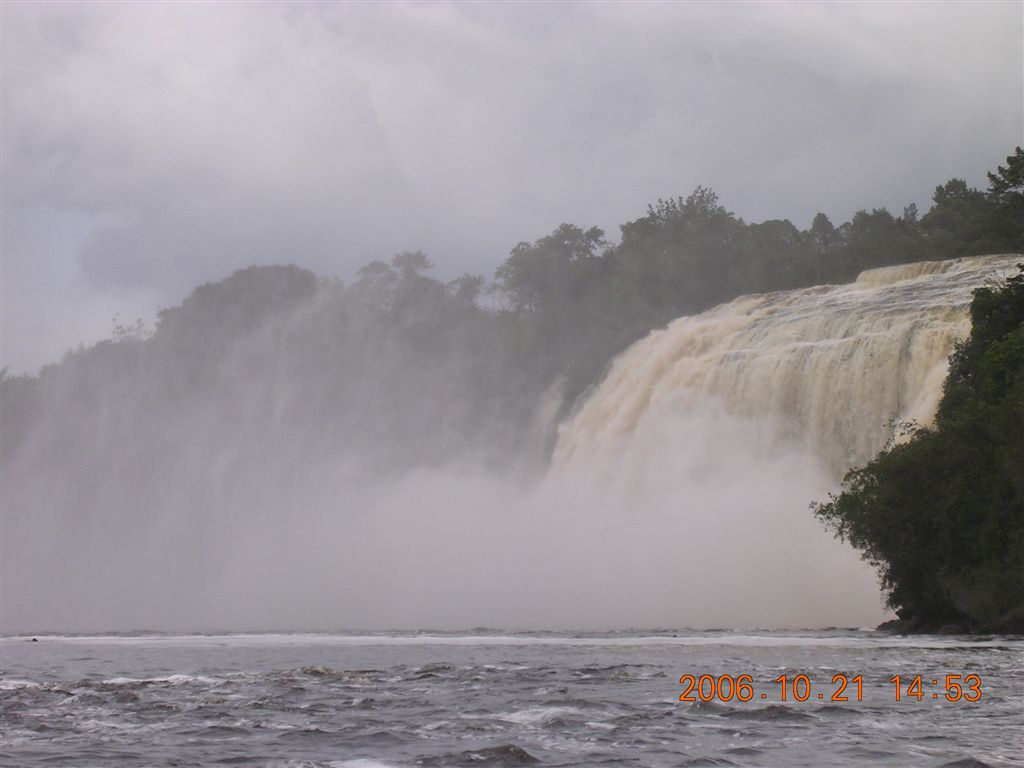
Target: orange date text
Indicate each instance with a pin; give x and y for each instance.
(841, 688)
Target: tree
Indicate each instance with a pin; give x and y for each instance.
(823, 234)
(410, 264)
(1006, 189)
(1008, 181)
(942, 516)
(467, 288)
(684, 255)
(960, 221)
(778, 257)
(877, 239)
(543, 276)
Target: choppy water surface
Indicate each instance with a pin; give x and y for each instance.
(491, 699)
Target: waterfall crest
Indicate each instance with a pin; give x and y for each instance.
(835, 365)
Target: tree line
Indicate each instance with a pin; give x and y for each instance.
(398, 368)
(579, 301)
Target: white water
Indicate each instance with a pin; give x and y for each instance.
(835, 366)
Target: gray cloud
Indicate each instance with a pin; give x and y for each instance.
(148, 147)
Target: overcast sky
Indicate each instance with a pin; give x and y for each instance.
(147, 148)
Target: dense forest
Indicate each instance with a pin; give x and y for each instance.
(274, 373)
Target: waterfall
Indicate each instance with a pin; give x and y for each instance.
(836, 366)
(678, 495)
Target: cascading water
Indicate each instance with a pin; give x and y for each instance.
(835, 366)
(678, 495)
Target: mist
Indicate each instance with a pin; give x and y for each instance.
(289, 453)
(617, 424)
(664, 533)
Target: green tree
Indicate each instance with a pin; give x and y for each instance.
(1008, 181)
(960, 222)
(1006, 190)
(942, 516)
(685, 255)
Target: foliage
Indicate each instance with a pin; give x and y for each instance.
(578, 302)
(547, 275)
(942, 516)
(1006, 190)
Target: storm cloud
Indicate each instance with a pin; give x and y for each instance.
(150, 147)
